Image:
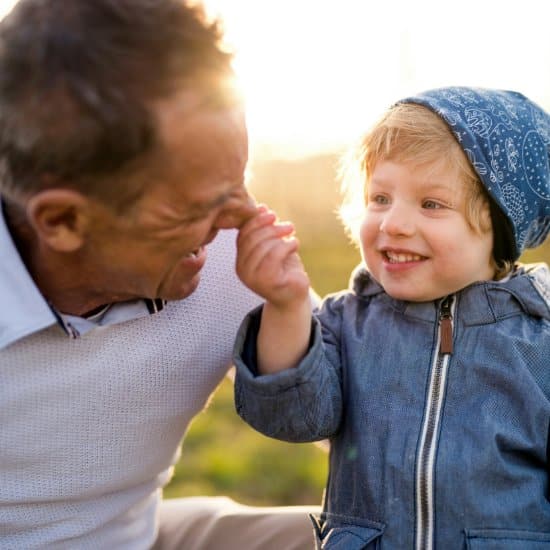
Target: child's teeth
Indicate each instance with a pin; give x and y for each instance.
(398, 258)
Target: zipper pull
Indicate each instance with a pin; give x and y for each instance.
(446, 327)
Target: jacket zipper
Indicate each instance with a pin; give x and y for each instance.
(430, 428)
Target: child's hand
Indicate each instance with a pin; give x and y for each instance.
(268, 262)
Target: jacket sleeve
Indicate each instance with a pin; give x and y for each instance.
(299, 404)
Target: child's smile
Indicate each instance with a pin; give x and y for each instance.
(401, 258)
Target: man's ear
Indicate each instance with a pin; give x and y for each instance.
(60, 218)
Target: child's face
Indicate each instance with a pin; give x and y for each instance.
(415, 239)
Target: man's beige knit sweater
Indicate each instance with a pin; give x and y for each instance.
(90, 427)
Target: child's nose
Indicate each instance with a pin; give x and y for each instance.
(397, 221)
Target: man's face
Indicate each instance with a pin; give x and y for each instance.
(195, 186)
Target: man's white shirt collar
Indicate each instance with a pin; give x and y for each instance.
(23, 309)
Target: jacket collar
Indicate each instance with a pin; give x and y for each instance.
(527, 291)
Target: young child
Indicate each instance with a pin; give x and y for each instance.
(431, 375)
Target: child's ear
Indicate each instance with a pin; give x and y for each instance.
(60, 218)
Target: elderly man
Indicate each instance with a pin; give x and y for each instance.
(122, 152)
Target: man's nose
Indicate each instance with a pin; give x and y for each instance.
(238, 209)
(397, 221)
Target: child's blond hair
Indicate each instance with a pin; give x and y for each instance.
(411, 133)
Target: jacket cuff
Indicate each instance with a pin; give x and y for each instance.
(245, 359)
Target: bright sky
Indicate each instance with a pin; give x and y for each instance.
(316, 73)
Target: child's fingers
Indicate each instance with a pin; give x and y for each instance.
(276, 232)
(263, 218)
(249, 241)
(276, 261)
(262, 251)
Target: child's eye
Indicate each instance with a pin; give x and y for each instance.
(432, 205)
(379, 199)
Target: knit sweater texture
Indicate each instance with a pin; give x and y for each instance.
(91, 428)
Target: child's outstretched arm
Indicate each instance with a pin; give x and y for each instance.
(268, 263)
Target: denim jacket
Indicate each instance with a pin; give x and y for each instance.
(438, 414)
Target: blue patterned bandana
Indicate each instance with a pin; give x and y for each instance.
(506, 137)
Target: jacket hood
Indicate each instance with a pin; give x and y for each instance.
(506, 137)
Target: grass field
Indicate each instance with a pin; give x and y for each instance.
(221, 454)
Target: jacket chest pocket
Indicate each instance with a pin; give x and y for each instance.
(506, 539)
(337, 532)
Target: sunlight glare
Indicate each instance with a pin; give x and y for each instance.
(318, 73)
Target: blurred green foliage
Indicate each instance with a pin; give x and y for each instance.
(224, 456)
(221, 454)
